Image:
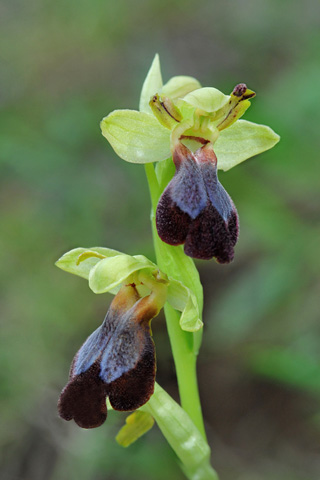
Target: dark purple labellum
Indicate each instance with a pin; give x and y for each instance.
(196, 210)
(117, 360)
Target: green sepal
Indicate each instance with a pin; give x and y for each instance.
(137, 424)
(207, 99)
(110, 273)
(151, 85)
(107, 269)
(69, 262)
(136, 137)
(183, 299)
(180, 86)
(241, 141)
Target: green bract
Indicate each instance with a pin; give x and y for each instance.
(206, 113)
(180, 432)
(107, 269)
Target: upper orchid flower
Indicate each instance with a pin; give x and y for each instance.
(200, 128)
(195, 209)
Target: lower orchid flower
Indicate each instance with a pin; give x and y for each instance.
(116, 361)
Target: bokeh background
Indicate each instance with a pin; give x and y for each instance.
(65, 65)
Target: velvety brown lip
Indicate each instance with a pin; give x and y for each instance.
(116, 361)
(195, 210)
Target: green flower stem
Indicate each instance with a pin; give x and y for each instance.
(185, 363)
(184, 344)
(181, 434)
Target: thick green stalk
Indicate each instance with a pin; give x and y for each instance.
(185, 363)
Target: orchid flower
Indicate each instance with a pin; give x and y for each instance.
(118, 359)
(201, 129)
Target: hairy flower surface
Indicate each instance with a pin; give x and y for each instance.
(195, 209)
(187, 121)
(117, 360)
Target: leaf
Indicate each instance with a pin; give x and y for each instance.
(151, 85)
(208, 99)
(136, 137)
(241, 141)
(137, 424)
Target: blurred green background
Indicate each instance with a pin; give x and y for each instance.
(65, 65)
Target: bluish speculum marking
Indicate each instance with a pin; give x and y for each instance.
(187, 187)
(219, 198)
